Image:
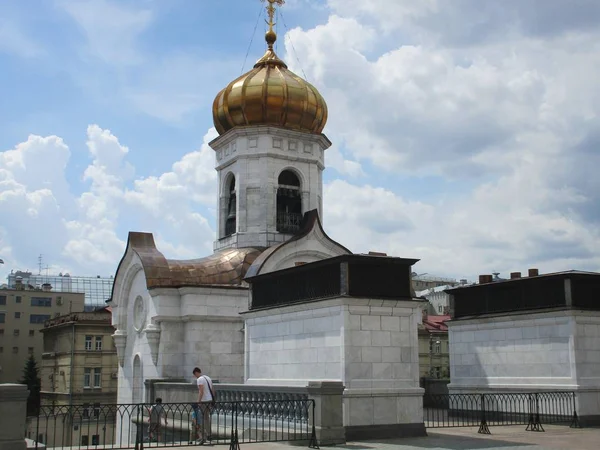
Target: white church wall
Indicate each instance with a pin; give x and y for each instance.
(511, 351)
(256, 156)
(382, 363)
(530, 352)
(369, 345)
(295, 346)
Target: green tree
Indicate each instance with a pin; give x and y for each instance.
(31, 377)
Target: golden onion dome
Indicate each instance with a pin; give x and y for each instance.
(270, 94)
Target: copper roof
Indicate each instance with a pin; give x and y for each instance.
(224, 268)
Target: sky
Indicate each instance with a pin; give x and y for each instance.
(465, 133)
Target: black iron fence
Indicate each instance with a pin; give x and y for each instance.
(174, 424)
(500, 409)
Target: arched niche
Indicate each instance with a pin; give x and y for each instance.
(137, 382)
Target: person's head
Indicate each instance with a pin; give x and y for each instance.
(197, 372)
(159, 400)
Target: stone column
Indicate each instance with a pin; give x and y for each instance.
(328, 416)
(13, 414)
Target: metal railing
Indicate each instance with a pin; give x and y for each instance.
(500, 409)
(174, 424)
(288, 222)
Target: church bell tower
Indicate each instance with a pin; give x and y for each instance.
(269, 153)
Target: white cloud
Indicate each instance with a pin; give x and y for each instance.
(111, 28)
(502, 100)
(85, 234)
(14, 40)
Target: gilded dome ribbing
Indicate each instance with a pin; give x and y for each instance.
(270, 94)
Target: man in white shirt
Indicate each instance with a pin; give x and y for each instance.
(205, 400)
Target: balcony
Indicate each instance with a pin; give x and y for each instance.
(288, 222)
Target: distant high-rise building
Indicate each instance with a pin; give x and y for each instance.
(23, 313)
(96, 289)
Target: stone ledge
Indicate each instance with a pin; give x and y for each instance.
(13, 392)
(365, 432)
(385, 392)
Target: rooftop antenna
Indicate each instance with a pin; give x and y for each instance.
(41, 266)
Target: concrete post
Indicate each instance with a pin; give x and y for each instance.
(13, 414)
(328, 417)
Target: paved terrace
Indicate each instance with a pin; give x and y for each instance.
(504, 438)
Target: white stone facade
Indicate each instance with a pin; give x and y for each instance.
(557, 350)
(439, 300)
(256, 156)
(175, 330)
(369, 345)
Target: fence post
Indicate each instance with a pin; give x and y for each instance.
(534, 417)
(575, 421)
(13, 416)
(483, 425)
(328, 411)
(139, 431)
(234, 444)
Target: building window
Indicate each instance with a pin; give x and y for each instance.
(17, 315)
(1, 349)
(98, 343)
(2, 317)
(18, 299)
(38, 318)
(96, 439)
(30, 350)
(96, 410)
(2, 299)
(84, 440)
(15, 349)
(31, 332)
(440, 308)
(289, 202)
(86, 411)
(15, 332)
(438, 347)
(1, 331)
(41, 301)
(88, 343)
(230, 220)
(97, 377)
(87, 378)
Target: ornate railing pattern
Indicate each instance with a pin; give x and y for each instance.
(484, 410)
(288, 222)
(181, 424)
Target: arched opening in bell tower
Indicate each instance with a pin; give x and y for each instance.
(230, 218)
(289, 202)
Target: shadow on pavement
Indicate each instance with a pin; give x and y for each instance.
(439, 441)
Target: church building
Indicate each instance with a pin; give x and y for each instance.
(173, 315)
(353, 318)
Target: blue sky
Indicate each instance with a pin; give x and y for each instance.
(458, 131)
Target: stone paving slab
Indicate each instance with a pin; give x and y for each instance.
(502, 438)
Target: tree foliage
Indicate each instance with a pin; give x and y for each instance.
(31, 377)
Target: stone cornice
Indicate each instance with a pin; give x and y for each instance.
(197, 318)
(253, 131)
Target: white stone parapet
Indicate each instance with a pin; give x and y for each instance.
(529, 352)
(13, 413)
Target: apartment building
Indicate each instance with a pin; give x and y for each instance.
(23, 311)
(434, 347)
(79, 376)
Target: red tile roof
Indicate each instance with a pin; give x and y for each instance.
(436, 323)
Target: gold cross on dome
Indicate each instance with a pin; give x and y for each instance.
(271, 10)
